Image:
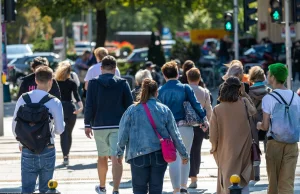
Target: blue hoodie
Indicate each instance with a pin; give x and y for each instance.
(107, 99)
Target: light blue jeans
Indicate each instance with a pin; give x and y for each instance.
(37, 165)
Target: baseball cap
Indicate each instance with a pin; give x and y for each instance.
(149, 64)
(233, 71)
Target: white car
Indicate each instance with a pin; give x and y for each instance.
(81, 47)
(18, 51)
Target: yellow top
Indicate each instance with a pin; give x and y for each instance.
(235, 179)
(52, 184)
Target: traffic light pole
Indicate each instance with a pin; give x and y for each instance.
(288, 42)
(1, 84)
(236, 30)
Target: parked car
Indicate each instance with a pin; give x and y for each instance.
(80, 47)
(206, 48)
(20, 67)
(140, 55)
(17, 51)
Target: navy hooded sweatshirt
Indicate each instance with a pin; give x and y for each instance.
(108, 97)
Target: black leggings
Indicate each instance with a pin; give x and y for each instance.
(196, 152)
(66, 136)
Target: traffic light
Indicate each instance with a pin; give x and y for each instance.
(296, 11)
(10, 10)
(228, 21)
(248, 12)
(276, 10)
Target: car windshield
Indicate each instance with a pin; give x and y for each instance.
(20, 49)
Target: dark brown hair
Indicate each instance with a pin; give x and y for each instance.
(43, 74)
(230, 90)
(38, 61)
(186, 67)
(148, 90)
(170, 70)
(193, 74)
(109, 63)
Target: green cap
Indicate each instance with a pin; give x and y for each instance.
(279, 71)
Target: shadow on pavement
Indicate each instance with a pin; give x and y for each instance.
(82, 166)
(191, 191)
(11, 190)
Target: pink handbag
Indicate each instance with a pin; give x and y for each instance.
(167, 145)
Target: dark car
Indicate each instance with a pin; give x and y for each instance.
(20, 67)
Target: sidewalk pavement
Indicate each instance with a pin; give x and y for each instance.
(81, 174)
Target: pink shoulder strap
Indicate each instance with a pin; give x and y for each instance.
(151, 120)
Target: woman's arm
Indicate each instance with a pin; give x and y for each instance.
(213, 132)
(175, 135)
(124, 129)
(250, 106)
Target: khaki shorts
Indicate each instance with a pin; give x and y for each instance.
(106, 141)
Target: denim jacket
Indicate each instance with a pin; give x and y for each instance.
(174, 93)
(137, 134)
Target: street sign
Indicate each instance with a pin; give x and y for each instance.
(58, 43)
(292, 31)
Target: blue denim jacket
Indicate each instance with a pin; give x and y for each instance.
(137, 134)
(174, 93)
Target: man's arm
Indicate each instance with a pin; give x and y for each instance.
(58, 117)
(88, 111)
(265, 124)
(128, 99)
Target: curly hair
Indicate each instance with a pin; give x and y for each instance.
(230, 90)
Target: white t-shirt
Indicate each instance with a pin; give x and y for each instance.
(268, 102)
(95, 70)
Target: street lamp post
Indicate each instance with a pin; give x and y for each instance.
(1, 84)
(288, 43)
(236, 30)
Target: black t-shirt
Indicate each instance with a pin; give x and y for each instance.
(67, 88)
(28, 84)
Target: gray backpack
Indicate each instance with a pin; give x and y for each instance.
(285, 120)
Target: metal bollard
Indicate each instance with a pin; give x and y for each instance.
(52, 184)
(235, 188)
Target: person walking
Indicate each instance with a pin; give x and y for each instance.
(28, 83)
(174, 94)
(38, 153)
(258, 90)
(140, 76)
(230, 135)
(151, 68)
(143, 149)
(108, 97)
(281, 156)
(202, 95)
(68, 88)
(95, 70)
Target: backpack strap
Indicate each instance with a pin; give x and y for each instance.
(292, 98)
(46, 98)
(275, 98)
(281, 97)
(26, 98)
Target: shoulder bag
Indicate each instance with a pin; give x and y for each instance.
(167, 145)
(191, 117)
(255, 150)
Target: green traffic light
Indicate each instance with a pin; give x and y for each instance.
(276, 15)
(228, 26)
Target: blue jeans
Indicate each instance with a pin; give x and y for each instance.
(148, 173)
(37, 165)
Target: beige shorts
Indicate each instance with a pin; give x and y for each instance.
(106, 141)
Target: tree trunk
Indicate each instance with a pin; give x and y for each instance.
(101, 27)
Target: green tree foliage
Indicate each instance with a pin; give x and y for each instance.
(156, 52)
(185, 51)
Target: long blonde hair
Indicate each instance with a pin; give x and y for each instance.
(63, 71)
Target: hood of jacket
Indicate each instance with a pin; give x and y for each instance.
(258, 92)
(109, 80)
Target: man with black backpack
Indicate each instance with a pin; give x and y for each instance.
(33, 120)
(281, 119)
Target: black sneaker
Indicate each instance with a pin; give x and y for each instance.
(184, 191)
(100, 190)
(115, 192)
(66, 161)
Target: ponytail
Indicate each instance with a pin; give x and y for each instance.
(148, 90)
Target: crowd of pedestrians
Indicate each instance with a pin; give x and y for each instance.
(148, 123)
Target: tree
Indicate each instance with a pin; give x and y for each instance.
(156, 52)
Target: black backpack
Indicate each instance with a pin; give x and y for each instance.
(32, 128)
